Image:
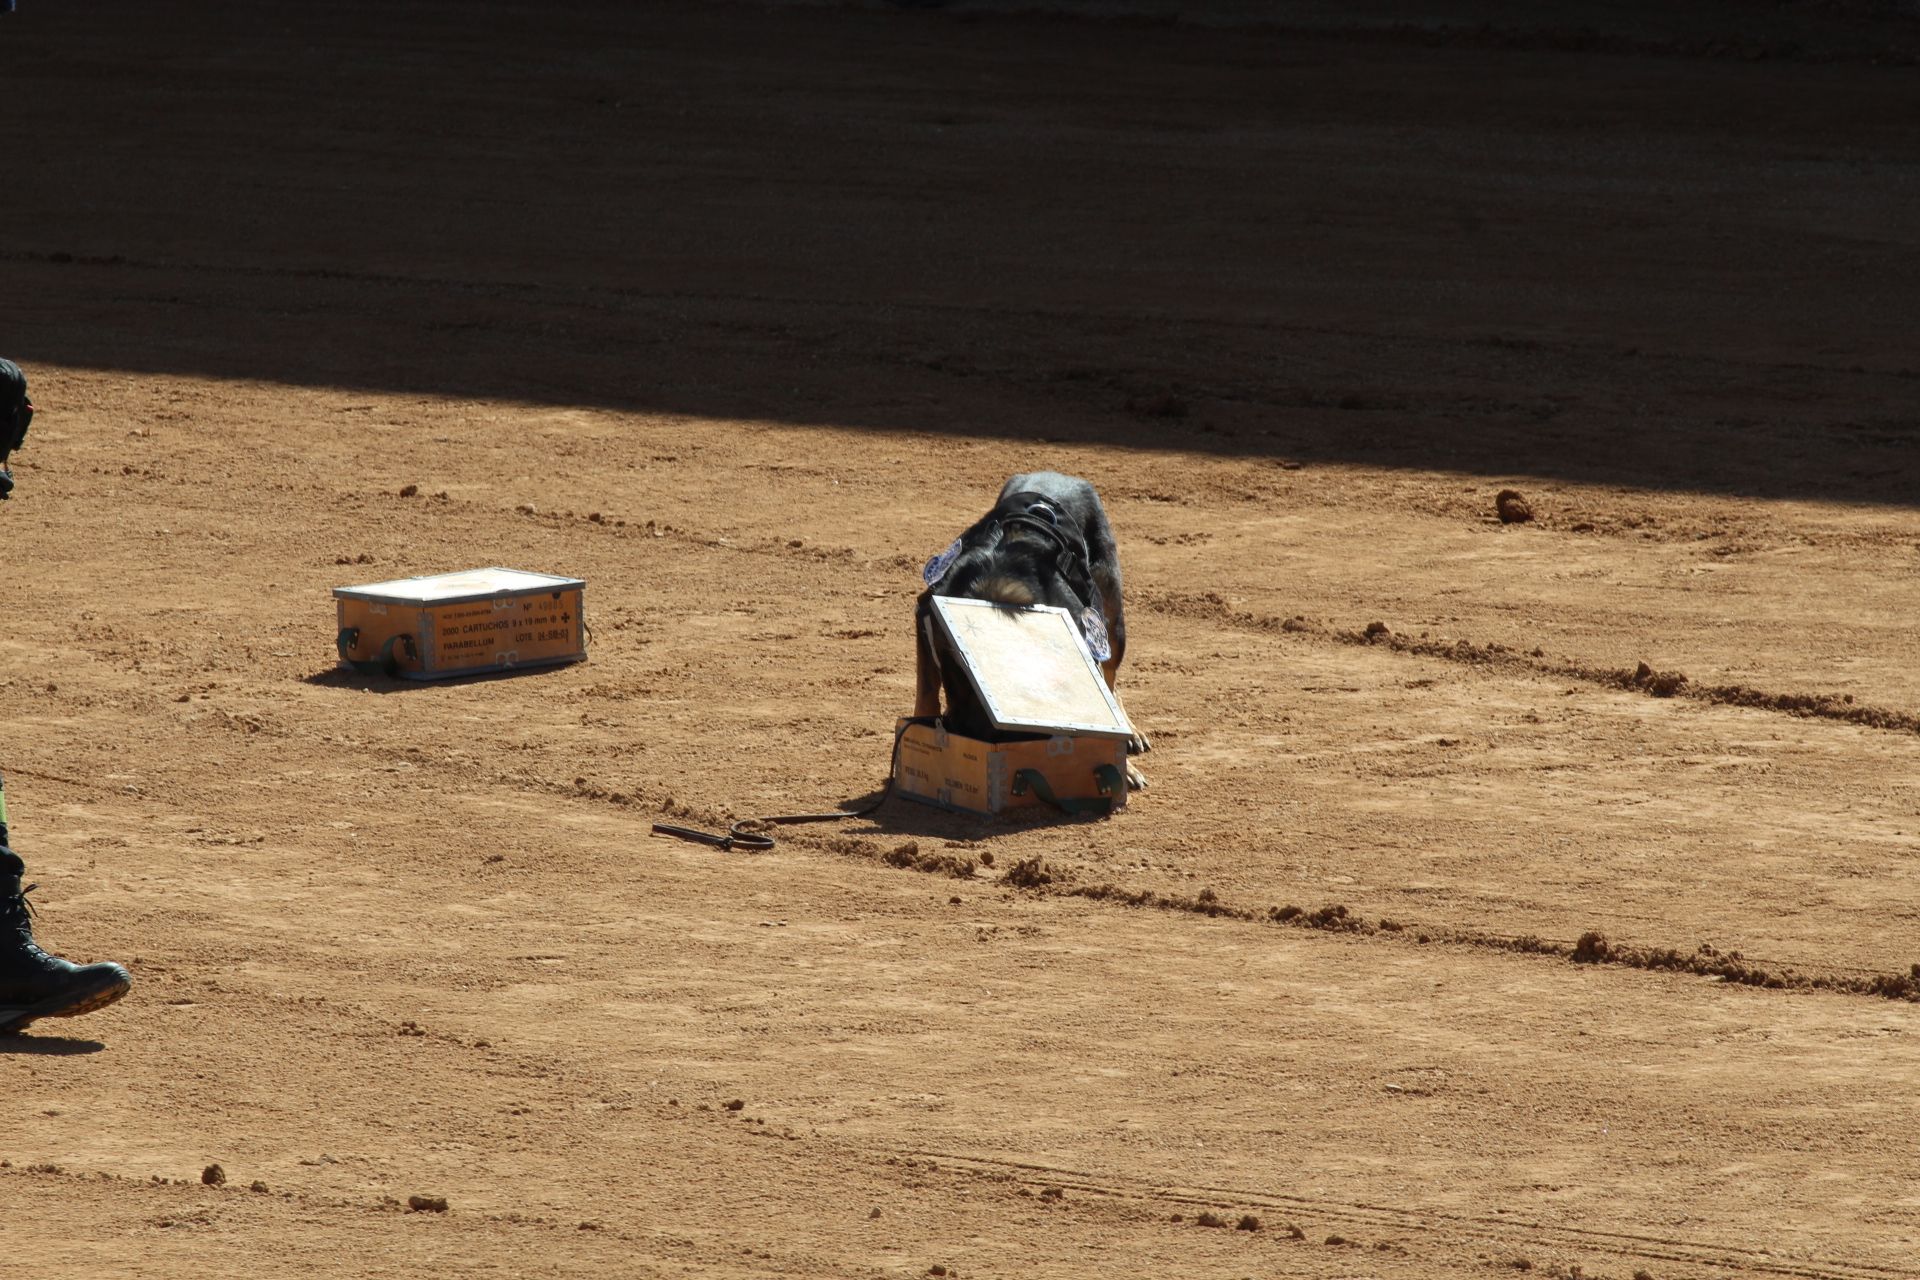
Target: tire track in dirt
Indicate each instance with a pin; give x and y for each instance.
(621, 529)
(1212, 606)
(205, 1201)
(1033, 875)
(1460, 1227)
(1592, 947)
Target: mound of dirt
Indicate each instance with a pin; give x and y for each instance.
(1512, 507)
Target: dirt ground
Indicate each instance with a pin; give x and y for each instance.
(740, 313)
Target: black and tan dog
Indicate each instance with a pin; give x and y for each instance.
(1046, 541)
(16, 412)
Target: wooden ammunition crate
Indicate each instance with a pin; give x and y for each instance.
(457, 624)
(1080, 772)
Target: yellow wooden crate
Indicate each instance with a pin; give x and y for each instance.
(456, 624)
(952, 771)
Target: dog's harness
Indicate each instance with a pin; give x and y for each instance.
(1071, 558)
(1044, 518)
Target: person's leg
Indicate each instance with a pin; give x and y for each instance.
(34, 984)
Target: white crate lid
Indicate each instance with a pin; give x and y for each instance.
(453, 588)
(1031, 668)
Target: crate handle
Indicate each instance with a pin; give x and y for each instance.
(1108, 778)
(385, 664)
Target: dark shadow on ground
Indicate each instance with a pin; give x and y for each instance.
(26, 1043)
(341, 677)
(901, 816)
(1626, 257)
(887, 814)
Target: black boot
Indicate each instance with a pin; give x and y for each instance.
(34, 984)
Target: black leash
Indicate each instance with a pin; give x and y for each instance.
(756, 842)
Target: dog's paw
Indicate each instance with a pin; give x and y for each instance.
(1138, 744)
(1136, 780)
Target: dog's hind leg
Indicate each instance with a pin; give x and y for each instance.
(1108, 581)
(1137, 744)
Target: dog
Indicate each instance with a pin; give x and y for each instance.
(16, 414)
(1046, 542)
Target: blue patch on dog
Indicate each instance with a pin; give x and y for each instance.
(1094, 629)
(937, 567)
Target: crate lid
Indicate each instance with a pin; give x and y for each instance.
(457, 588)
(1031, 667)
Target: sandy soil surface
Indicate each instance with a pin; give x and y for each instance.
(739, 313)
